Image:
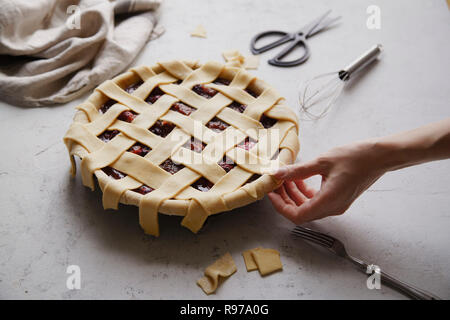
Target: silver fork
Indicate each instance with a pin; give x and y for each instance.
(337, 247)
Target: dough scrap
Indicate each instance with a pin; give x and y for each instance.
(265, 260)
(221, 268)
(199, 32)
(251, 62)
(250, 263)
(235, 59)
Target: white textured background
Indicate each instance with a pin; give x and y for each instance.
(49, 221)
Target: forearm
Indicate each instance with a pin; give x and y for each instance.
(427, 143)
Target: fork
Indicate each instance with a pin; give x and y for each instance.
(338, 248)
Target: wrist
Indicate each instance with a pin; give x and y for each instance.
(392, 155)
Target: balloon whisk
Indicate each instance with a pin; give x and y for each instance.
(320, 93)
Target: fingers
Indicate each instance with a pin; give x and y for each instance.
(294, 205)
(305, 189)
(298, 171)
(284, 195)
(317, 207)
(283, 207)
(294, 193)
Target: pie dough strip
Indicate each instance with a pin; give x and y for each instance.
(113, 91)
(149, 205)
(103, 157)
(269, 142)
(177, 68)
(189, 125)
(222, 268)
(241, 122)
(282, 114)
(202, 206)
(142, 170)
(151, 175)
(147, 87)
(242, 79)
(196, 162)
(249, 161)
(185, 95)
(165, 149)
(102, 123)
(291, 143)
(90, 110)
(223, 141)
(81, 135)
(137, 133)
(195, 217)
(264, 102)
(144, 72)
(205, 74)
(234, 93)
(114, 190)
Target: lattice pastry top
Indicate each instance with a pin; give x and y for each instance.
(182, 139)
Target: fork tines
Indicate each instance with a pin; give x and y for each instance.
(313, 236)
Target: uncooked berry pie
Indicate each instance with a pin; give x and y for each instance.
(181, 138)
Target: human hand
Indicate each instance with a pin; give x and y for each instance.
(346, 173)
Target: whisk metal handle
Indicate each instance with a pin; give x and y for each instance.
(361, 62)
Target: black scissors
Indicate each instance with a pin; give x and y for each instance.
(298, 39)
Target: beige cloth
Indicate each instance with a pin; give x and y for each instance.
(52, 51)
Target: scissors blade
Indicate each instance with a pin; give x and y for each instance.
(313, 24)
(323, 25)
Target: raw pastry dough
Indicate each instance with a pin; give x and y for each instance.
(264, 260)
(250, 263)
(222, 268)
(251, 62)
(267, 260)
(235, 59)
(199, 32)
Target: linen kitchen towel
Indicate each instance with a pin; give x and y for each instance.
(52, 51)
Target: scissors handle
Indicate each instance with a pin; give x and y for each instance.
(300, 41)
(285, 37)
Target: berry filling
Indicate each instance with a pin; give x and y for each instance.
(144, 189)
(162, 128)
(250, 92)
(267, 122)
(204, 91)
(217, 125)
(108, 135)
(226, 163)
(253, 178)
(237, 106)
(222, 81)
(202, 184)
(133, 87)
(127, 116)
(195, 145)
(139, 149)
(108, 104)
(247, 144)
(182, 108)
(116, 174)
(154, 95)
(171, 166)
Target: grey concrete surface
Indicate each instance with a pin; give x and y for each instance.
(50, 221)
